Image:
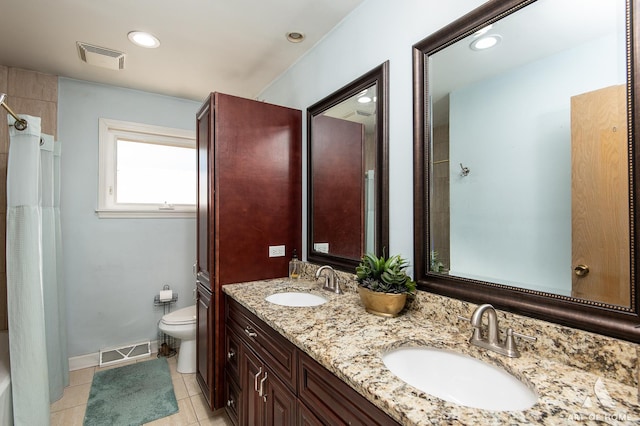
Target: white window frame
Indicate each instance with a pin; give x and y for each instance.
(109, 133)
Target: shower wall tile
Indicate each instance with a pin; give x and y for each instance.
(4, 129)
(32, 85)
(4, 76)
(3, 178)
(47, 111)
(32, 93)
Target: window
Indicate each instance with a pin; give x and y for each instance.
(146, 171)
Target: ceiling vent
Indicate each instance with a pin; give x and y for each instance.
(357, 113)
(101, 56)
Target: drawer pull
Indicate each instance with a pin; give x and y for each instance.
(261, 391)
(255, 379)
(231, 354)
(250, 331)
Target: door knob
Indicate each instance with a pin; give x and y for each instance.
(581, 270)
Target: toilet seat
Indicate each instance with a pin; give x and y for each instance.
(181, 316)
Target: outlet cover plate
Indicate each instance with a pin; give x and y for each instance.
(277, 251)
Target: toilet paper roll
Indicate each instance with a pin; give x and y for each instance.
(166, 295)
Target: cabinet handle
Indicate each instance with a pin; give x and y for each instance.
(261, 391)
(231, 403)
(231, 354)
(250, 331)
(255, 379)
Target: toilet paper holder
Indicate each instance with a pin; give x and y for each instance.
(166, 296)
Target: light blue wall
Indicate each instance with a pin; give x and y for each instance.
(114, 267)
(378, 30)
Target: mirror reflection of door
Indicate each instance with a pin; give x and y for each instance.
(600, 188)
(338, 187)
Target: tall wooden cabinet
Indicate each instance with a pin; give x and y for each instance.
(249, 198)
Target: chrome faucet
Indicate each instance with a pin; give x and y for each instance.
(491, 340)
(330, 279)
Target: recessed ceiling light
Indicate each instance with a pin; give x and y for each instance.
(364, 99)
(482, 31)
(143, 39)
(295, 37)
(485, 42)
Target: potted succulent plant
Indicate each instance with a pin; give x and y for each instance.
(384, 284)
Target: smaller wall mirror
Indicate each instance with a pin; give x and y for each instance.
(348, 172)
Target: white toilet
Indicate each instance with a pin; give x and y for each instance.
(181, 324)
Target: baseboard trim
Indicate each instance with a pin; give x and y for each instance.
(93, 359)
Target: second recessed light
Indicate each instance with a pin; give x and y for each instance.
(142, 39)
(295, 37)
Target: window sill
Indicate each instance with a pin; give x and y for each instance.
(146, 214)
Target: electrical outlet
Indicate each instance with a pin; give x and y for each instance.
(276, 251)
(321, 247)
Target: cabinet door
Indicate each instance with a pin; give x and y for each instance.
(204, 195)
(280, 402)
(306, 417)
(252, 372)
(204, 343)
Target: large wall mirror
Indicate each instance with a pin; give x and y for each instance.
(525, 186)
(348, 172)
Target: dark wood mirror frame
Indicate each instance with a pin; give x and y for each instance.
(615, 321)
(379, 76)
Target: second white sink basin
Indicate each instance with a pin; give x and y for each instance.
(459, 379)
(296, 299)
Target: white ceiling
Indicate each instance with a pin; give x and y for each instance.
(232, 46)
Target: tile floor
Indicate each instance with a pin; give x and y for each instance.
(192, 409)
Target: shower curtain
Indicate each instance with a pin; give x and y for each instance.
(35, 295)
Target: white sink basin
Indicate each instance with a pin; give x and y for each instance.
(459, 379)
(296, 299)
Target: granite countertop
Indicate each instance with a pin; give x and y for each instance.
(349, 342)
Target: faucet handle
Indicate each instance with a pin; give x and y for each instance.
(461, 318)
(522, 336)
(510, 342)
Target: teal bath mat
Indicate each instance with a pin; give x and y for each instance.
(131, 395)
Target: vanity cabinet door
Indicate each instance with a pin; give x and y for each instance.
(267, 400)
(252, 369)
(280, 403)
(306, 416)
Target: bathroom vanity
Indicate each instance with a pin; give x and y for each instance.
(271, 382)
(323, 364)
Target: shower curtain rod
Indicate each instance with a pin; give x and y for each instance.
(20, 123)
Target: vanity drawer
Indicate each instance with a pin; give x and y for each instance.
(233, 396)
(273, 348)
(232, 351)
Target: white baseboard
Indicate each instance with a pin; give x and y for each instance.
(93, 359)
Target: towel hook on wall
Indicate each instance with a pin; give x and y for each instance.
(465, 170)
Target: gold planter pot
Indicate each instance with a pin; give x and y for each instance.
(383, 304)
